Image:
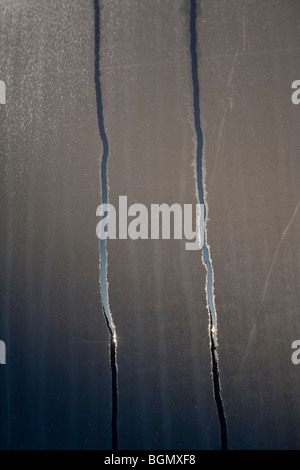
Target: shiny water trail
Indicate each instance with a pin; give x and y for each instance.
(206, 258)
(103, 253)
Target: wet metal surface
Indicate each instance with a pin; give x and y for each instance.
(114, 344)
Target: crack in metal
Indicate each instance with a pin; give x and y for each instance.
(206, 258)
(103, 253)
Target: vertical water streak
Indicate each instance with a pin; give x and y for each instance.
(103, 252)
(206, 258)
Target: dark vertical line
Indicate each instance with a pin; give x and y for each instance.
(103, 254)
(206, 254)
(100, 105)
(196, 95)
(217, 391)
(114, 388)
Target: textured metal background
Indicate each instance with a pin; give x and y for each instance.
(55, 390)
